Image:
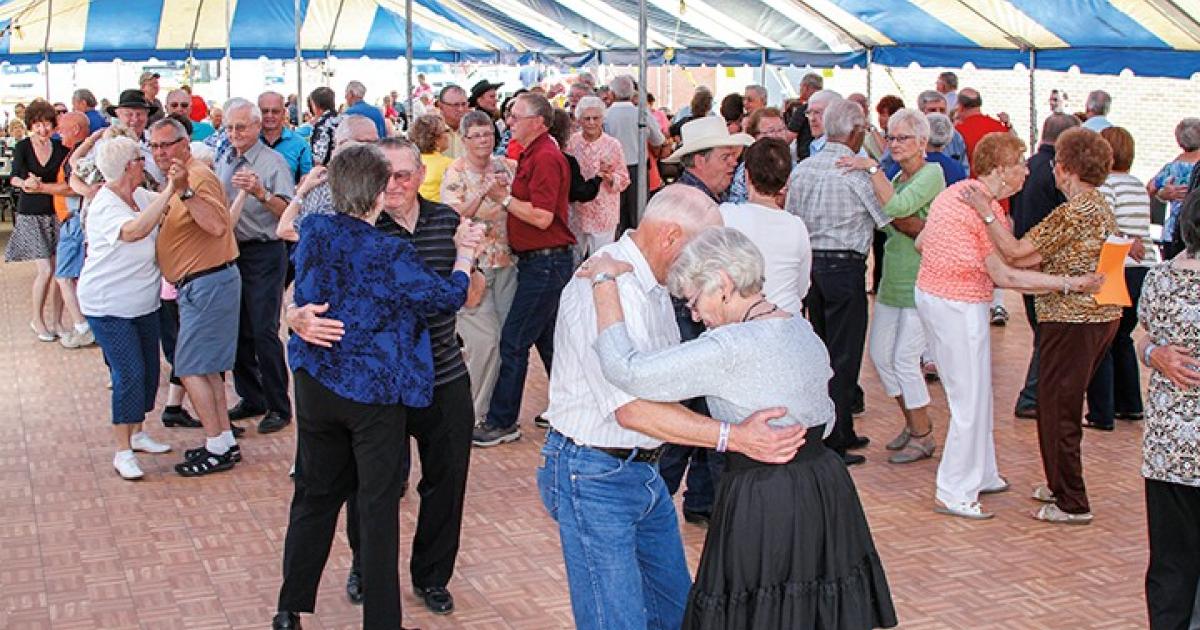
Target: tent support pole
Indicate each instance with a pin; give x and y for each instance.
(870, 62)
(228, 57)
(300, 107)
(408, 64)
(1032, 100)
(643, 116)
(46, 43)
(762, 67)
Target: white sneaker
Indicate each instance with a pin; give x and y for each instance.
(127, 466)
(74, 339)
(146, 444)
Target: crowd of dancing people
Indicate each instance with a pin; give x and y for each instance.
(717, 336)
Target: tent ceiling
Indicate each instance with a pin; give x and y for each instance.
(1150, 37)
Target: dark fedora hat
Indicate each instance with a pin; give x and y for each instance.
(135, 99)
(482, 87)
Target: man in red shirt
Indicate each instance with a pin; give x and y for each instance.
(542, 242)
(973, 124)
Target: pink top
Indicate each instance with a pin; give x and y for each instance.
(954, 245)
(167, 291)
(602, 214)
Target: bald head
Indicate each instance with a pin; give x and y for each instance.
(73, 128)
(355, 128)
(676, 214)
(969, 98)
(1055, 125)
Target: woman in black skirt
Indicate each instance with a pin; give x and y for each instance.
(788, 545)
(36, 167)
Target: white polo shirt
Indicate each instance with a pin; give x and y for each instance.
(583, 404)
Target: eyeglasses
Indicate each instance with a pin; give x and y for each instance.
(772, 131)
(899, 138)
(270, 110)
(60, 112)
(154, 146)
(458, 104)
(401, 177)
(479, 136)
(238, 127)
(178, 105)
(140, 158)
(812, 113)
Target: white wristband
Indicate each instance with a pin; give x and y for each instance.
(723, 438)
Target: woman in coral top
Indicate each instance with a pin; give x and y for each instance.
(959, 269)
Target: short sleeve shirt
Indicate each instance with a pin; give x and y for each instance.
(119, 278)
(257, 222)
(840, 208)
(543, 179)
(954, 246)
(183, 246)
(1069, 240)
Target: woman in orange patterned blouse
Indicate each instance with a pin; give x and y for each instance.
(1074, 331)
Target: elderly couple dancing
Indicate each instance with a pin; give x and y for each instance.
(789, 545)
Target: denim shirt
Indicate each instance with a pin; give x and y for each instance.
(380, 289)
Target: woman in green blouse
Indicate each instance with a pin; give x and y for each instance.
(897, 337)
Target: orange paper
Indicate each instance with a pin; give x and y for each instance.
(1112, 266)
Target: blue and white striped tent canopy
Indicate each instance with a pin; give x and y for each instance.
(1149, 37)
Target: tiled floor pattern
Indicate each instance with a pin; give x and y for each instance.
(80, 548)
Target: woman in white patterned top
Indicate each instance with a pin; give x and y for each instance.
(1170, 313)
(1117, 385)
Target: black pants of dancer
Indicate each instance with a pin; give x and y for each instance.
(1173, 519)
(344, 449)
(837, 307)
(443, 433)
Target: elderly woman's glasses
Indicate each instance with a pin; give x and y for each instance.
(479, 136)
(900, 138)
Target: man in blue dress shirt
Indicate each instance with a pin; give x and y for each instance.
(294, 149)
(355, 92)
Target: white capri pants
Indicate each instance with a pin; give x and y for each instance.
(960, 336)
(480, 327)
(897, 341)
(586, 244)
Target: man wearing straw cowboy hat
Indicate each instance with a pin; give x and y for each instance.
(709, 154)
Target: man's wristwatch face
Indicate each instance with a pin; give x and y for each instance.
(872, 170)
(187, 193)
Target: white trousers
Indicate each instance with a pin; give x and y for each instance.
(960, 335)
(897, 341)
(480, 327)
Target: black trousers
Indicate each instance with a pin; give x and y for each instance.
(877, 255)
(1173, 520)
(443, 434)
(1117, 386)
(259, 370)
(629, 217)
(1027, 399)
(837, 307)
(168, 334)
(344, 449)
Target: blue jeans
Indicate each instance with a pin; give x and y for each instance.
(130, 348)
(530, 322)
(620, 538)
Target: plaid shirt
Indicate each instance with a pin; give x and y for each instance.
(839, 208)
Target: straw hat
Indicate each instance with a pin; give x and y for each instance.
(707, 133)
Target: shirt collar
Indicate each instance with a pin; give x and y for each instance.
(689, 179)
(641, 268)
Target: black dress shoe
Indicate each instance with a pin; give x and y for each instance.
(437, 599)
(1026, 413)
(180, 418)
(240, 412)
(273, 422)
(860, 441)
(700, 519)
(354, 587)
(853, 459)
(285, 621)
(1130, 416)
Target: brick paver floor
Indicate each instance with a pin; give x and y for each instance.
(81, 548)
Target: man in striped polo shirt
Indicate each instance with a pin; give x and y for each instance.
(443, 430)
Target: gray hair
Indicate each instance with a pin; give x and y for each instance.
(715, 250)
(203, 152)
(356, 89)
(114, 154)
(346, 129)
(841, 117)
(1187, 134)
(950, 79)
(474, 118)
(813, 80)
(912, 120)
(1098, 102)
(757, 89)
(402, 144)
(85, 95)
(357, 175)
(1056, 124)
(685, 206)
(588, 103)
(928, 97)
(622, 87)
(237, 103)
(824, 96)
(175, 125)
(941, 129)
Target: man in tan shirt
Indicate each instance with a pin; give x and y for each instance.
(197, 252)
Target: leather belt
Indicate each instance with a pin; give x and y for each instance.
(639, 455)
(840, 254)
(204, 272)
(545, 251)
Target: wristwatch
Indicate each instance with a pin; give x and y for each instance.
(602, 277)
(187, 193)
(267, 198)
(873, 169)
(507, 200)
(989, 219)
